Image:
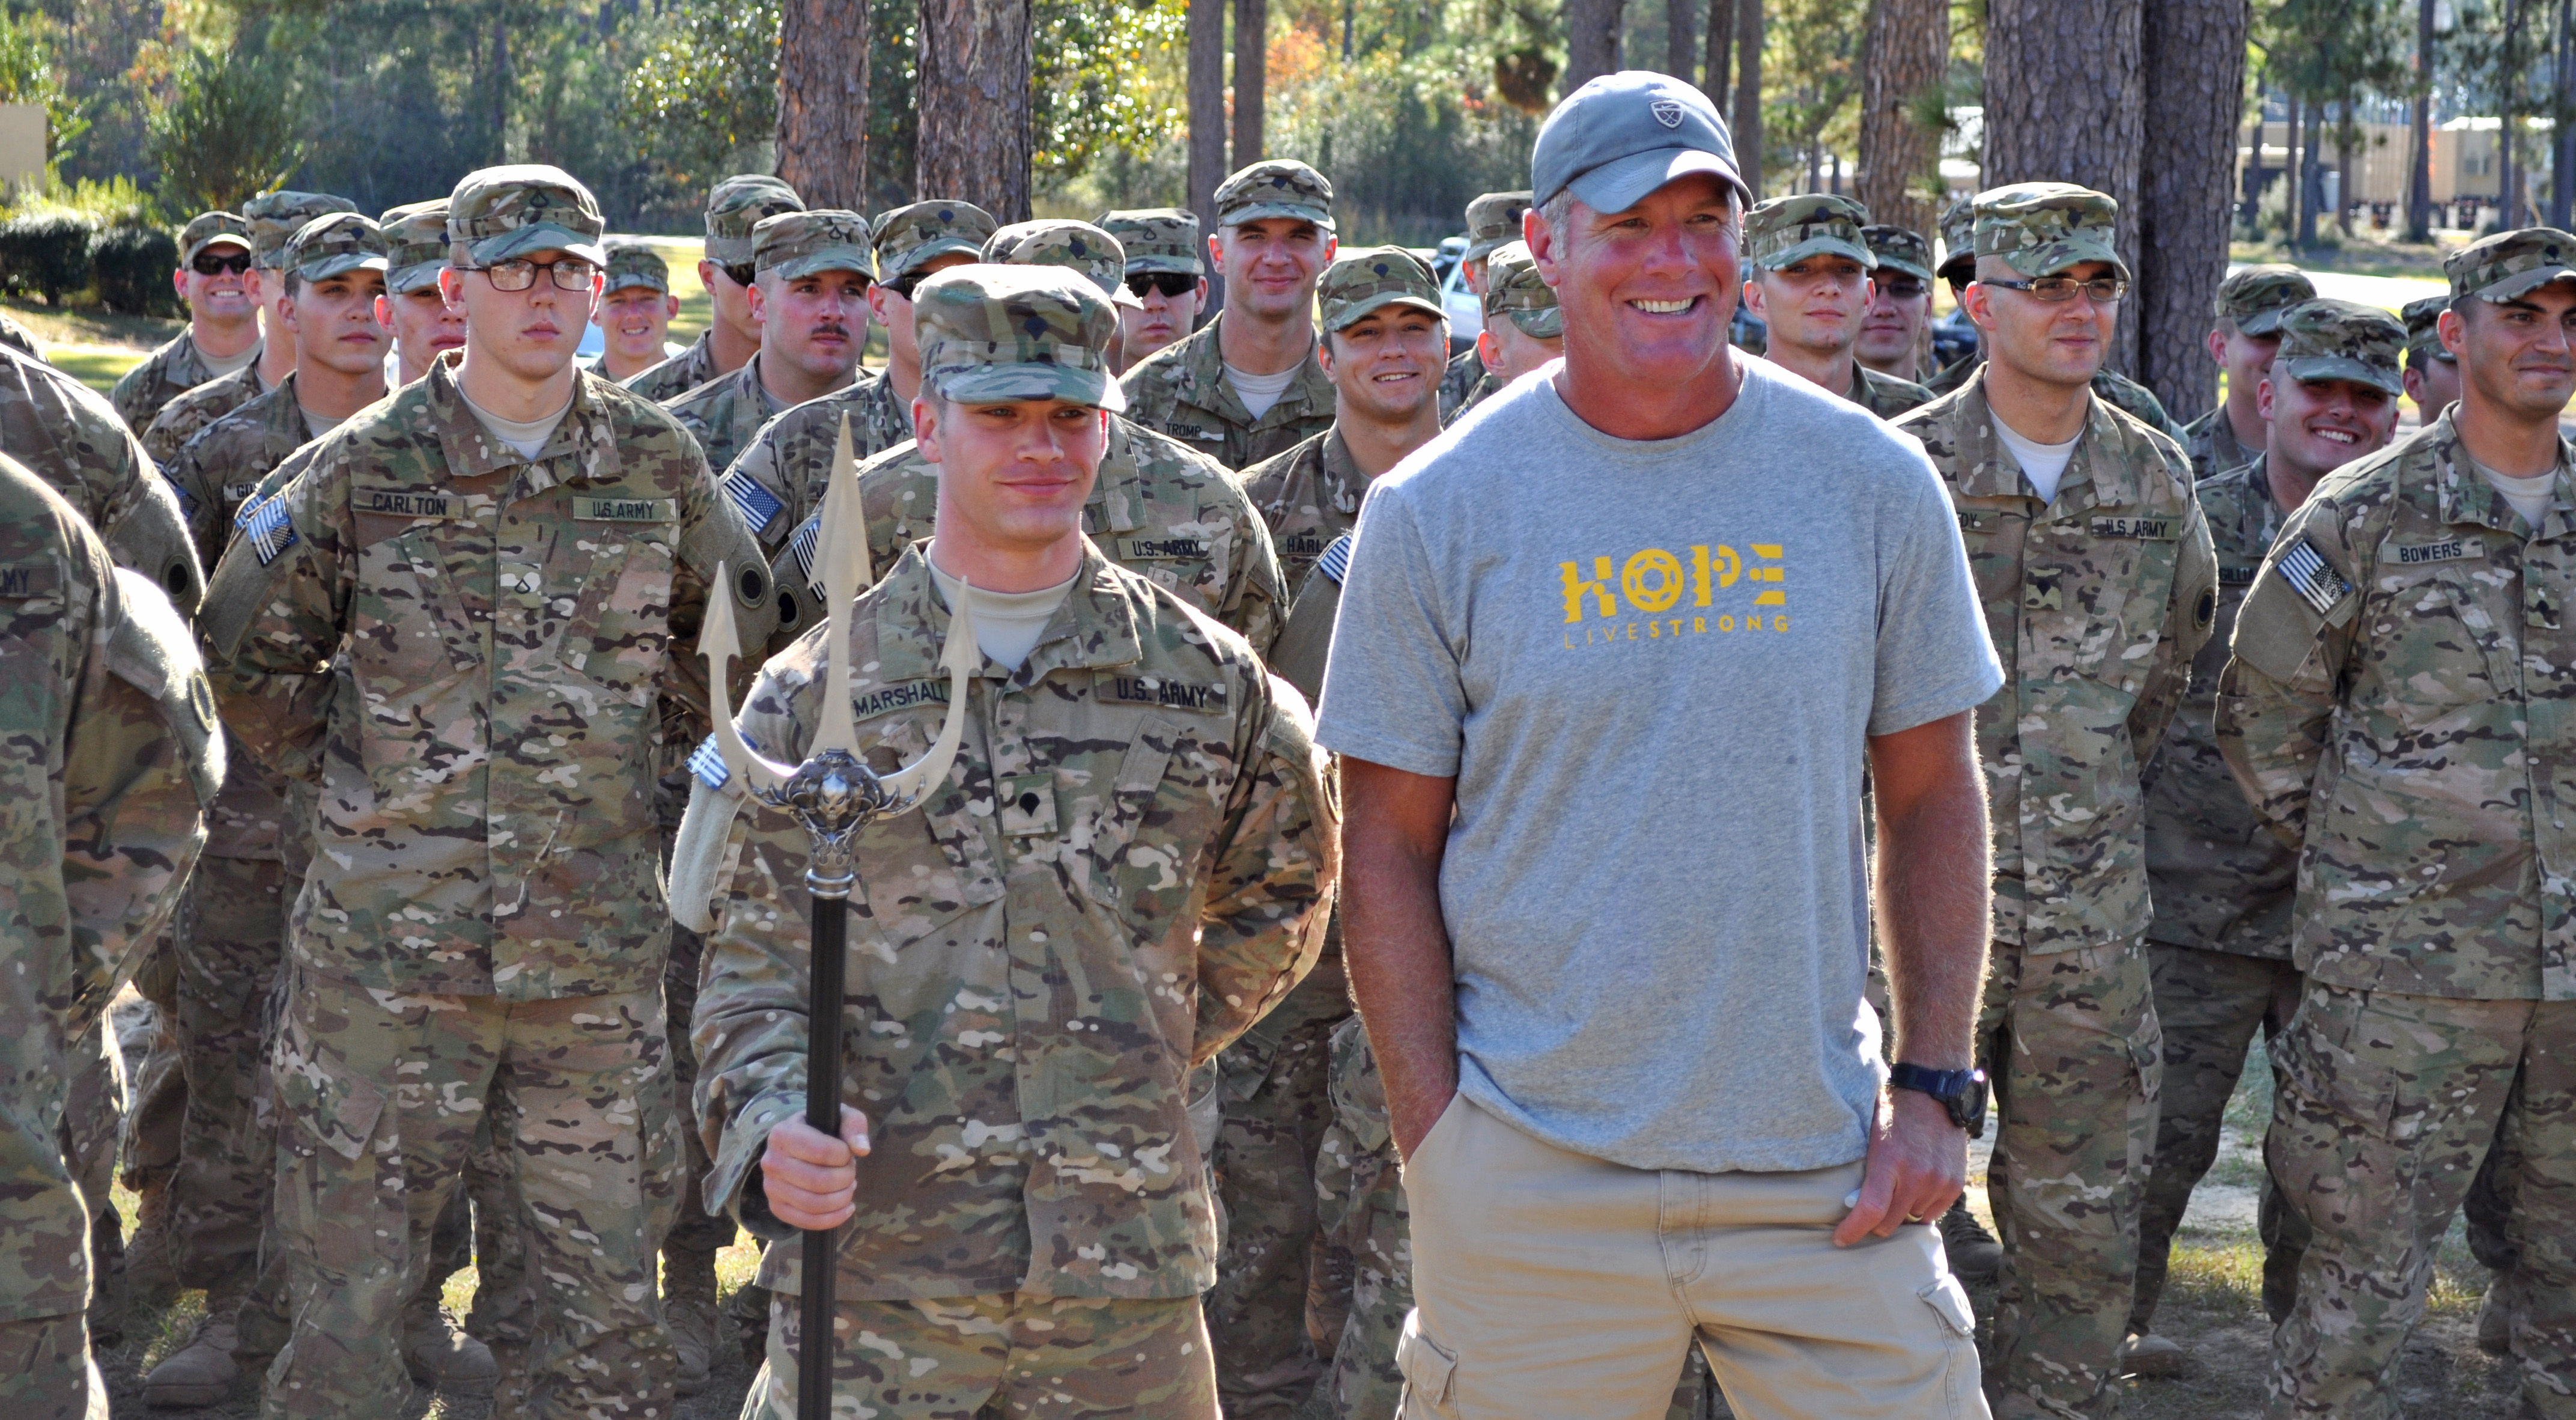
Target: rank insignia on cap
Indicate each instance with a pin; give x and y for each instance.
(2312, 577)
(758, 504)
(270, 531)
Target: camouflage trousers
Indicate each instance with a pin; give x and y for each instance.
(231, 940)
(159, 1095)
(1011, 1354)
(46, 1372)
(2070, 1044)
(2386, 1107)
(2208, 1005)
(93, 1121)
(1272, 1085)
(380, 1098)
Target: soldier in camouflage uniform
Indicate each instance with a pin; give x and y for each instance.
(2392, 709)
(1806, 277)
(2432, 372)
(272, 218)
(110, 760)
(1900, 302)
(223, 321)
(2219, 949)
(2243, 339)
(810, 276)
(1958, 267)
(1031, 1229)
(635, 311)
(1493, 221)
(478, 924)
(1524, 329)
(732, 337)
(1164, 272)
(424, 325)
(2099, 586)
(1274, 236)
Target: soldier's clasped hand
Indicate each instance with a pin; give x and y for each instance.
(809, 1176)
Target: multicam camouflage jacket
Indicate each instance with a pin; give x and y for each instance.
(777, 480)
(67, 435)
(2124, 394)
(164, 375)
(2402, 705)
(107, 759)
(679, 374)
(725, 412)
(2222, 881)
(1126, 867)
(1884, 395)
(486, 734)
(2097, 601)
(1159, 510)
(1307, 497)
(1461, 383)
(1181, 391)
(2210, 443)
(184, 417)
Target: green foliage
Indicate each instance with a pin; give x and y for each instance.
(1104, 77)
(130, 268)
(28, 74)
(230, 130)
(704, 89)
(46, 252)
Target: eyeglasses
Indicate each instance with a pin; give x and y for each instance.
(2059, 289)
(571, 273)
(1170, 283)
(217, 263)
(1902, 288)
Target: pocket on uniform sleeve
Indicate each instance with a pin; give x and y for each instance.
(1428, 1370)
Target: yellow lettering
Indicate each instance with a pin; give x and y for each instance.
(1770, 550)
(1725, 564)
(1699, 625)
(1576, 586)
(1780, 623)
(1663, 590)
(1772, 599)
(1726, 623)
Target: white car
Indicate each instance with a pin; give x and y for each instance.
(1466, 309)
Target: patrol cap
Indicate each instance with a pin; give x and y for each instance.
(1958, 242)
(1371, 279)
(1278, 187)
(334, 245)
(2254, 296)
(274, 216)
(1785, 230)
(1157, 239)
(1075, 246)
(637, 264)
(1493, 219)
(1899, 249)
(1623, 135)
(992, 333)
(799, 244)
(908, 236)
(415, 244)
(1513, 289)
(209, 228)
(2342, 340)
(2423, 327)
(2042, 228)
(521, 209)
(736, 205)
(2511, 264)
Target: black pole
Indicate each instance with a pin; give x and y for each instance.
(822, 1111)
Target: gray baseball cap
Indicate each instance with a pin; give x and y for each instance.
(1623, 135)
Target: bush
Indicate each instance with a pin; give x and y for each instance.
(46, 252)
(130, 267)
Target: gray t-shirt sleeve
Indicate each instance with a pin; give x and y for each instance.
(1934, 657)
(1392, 690)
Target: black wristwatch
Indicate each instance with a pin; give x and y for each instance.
(1961, 1092)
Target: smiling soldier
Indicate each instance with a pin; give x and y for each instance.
(1811, 285)
(214, 281)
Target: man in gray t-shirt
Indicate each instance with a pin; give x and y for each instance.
(1625, 977)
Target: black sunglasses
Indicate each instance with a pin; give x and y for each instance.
(1170, 283)
(216, 263)
(1903, 288)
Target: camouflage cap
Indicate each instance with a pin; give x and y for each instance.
(1958, 242)
(1075, 246)
(2342, 340)
(1279, 187)
(1899, 249)
(2511, 264)
(274, 216)
(738, 204)
(637, 264)
(799, 244)
(990, 334)
(334, 245)
(2423, 327)
(415, 244)
(2042, 228)
(503, 213)
(2254, 296)
(1157, 239)
(1781, 231)
(1513, 288)
(1493, 219)
(208, 228)
(1371, 279)
(908, 236)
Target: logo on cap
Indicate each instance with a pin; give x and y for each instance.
(1668, 112)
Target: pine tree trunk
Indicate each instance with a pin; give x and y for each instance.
(2058, 111)
(1251, 77)
(2193, 76)
(1909, 49)
(1591, 40)
(2419, 167)
(823, 101)
(973, 98)
(1721, 49)
(1748, 94)
(1680, 54)
(1207, 101)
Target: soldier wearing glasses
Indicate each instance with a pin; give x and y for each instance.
(213, 279)
(1900, 302)
(2099, 584)
(732, 337)
(271, 219)
(505, 564)
(1165, 276)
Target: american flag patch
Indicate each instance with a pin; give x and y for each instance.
(2312, 577)
(758, 504)
(801, 547)
(1336, 561)
(709, 765)
(242, 515)
(270, 531)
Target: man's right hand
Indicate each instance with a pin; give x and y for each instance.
(810, 1177)
(1412, 1122)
